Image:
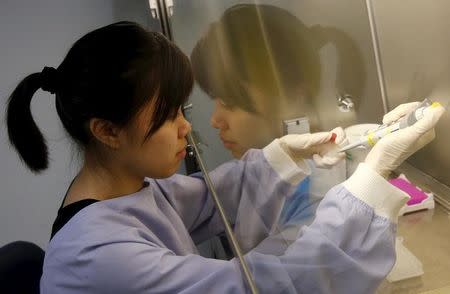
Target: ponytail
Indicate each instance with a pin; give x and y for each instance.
(23, 132)
(105, 79)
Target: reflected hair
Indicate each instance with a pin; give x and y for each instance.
(110, 73)
(256, 48)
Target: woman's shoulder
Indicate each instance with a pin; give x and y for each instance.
(105, 221)
(96, 245)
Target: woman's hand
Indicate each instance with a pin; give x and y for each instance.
(321, 147)
(396, 147)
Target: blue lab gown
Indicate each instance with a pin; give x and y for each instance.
(299, 207)
(145, 242)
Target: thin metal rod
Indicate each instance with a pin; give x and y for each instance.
(228, 230)
(166, 28)
(376, 51)
(164, 16)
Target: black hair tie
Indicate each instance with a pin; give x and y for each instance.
(49, 79)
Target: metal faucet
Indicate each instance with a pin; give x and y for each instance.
(345, 102)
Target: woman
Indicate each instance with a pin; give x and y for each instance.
(128, 224)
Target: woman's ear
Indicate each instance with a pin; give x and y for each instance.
(105, 132)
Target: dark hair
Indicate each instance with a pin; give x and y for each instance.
(261, 46)
(110, 73)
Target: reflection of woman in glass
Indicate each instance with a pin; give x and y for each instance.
(259, 65)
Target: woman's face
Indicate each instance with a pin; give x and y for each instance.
(241, 130)
(160, 155)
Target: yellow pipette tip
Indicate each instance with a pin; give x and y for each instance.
(435, 104)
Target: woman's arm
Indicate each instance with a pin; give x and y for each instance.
(252, 191)
(349, 248)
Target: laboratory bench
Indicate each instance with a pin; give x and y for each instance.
(426, 234)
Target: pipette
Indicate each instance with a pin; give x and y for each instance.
(373, 136)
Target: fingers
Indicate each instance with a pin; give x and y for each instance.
(309, 140)
(430, 119)
(327, 161)
(337, 136)
(304, 141)
(318, 161)
(425, 139)
(320, 138)
(322, 146)
(400, 111)
(341, 139)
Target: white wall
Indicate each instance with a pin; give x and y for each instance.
(34, 34)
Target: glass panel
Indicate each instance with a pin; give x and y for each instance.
(415, 67)
(343, 55)
(154, 24)
(414, 46)
(264, 70)
(138, 11)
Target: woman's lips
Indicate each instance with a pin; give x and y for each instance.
(228, 144)
(181, 154)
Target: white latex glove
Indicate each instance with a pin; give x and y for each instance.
(396, 147)
(318, 146)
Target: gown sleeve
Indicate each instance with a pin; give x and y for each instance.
(252, 191)
(349, 248)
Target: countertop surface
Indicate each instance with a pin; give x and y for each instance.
(427, 235)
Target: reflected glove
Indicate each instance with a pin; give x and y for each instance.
(396, 147)
(321, 147)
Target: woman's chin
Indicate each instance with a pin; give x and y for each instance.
(167, 172)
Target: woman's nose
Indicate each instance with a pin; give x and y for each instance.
(213, 121)
(185, 128)
(217, 120)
